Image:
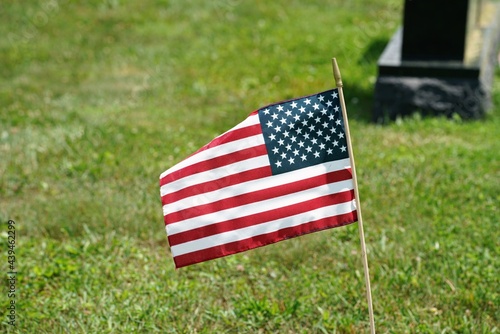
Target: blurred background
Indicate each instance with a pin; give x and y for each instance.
(97, 98)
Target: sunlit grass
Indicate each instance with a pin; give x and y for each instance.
(98, 98)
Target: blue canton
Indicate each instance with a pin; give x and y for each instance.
(304, 132)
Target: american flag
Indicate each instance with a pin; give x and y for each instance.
(282, 172)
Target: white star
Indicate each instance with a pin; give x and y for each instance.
(303, 157)
(283, 120)
(272, 136)
(320, 133)
(293, 139)
(310, 114)
(302, 109)
(286, 134)
(307, 102)
(299, 131)
(316, 154)
(274, 116)
(277, 128)
(333, 130)
(291, 126)
(321, 98)
(314, 141)
(328, 138)
(306, 135)
(283, 155)
(334, 95)
(288, 147)
(338, 122)
(317, 119)
(269, 124)
(322, 146)
(324, 111)
(296, 118)
(280, 108)
(341, 135)
(281, 142)
(301, 143)
(329, 151)
(336, 108)
(291, 161)
(276, 151)
(329, 103)
(331, 117)
(296, 152)
(266, 111)
(308, 149)
(311, 128)
(335, 143)
(278, 163)
(304, 123)
(316, 106)
(294, 104)
(325, 125)
(288, 113)
(343, 148)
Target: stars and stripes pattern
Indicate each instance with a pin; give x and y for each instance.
(304, 132)
(282, 172)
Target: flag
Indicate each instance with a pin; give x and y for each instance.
(282, 172)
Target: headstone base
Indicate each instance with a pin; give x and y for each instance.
(400, 96)
(437, 87)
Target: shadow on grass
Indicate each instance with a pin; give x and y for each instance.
(358, 95)
(373, 51)
(359, 102)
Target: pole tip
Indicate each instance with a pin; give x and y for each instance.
(336, 73)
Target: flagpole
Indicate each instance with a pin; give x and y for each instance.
(338, 80)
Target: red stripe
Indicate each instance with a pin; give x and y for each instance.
(233, 135)
(261, 217)
(256, 196)
(220, 183)
(263, 240)
(213, 163)
(223, 139)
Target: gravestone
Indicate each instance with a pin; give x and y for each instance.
(441, 61)
(434, 33)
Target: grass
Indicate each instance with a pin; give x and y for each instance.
(98, 98)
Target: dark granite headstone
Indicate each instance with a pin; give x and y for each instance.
(441, 61)
(434, 30)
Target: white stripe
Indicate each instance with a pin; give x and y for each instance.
(221, 149)
(249, 121)
(257, 207)
(217, 151)
(260, 229)
(215, 174)
(254, 185)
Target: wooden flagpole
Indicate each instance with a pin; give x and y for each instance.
(338, 80)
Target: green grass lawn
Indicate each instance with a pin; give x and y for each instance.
(97, 98)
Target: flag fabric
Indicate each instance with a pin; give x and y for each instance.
(282, 172)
